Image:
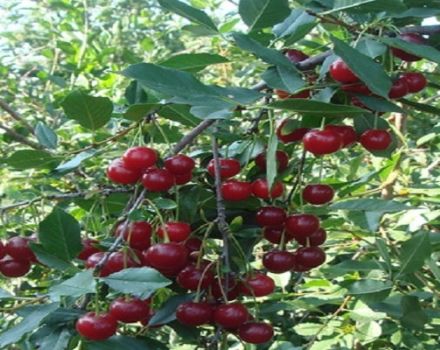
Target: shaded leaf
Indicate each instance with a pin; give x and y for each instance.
(75, 162)
(29, 159)
(412, 314)
(414, 252)
(298, 21)
(425, 51)
(80, 284)
(167, 312)
(258, 14)
(370, 204)
(193, 62)
(137, 112)
(125, 342)
(46, 136)
(49, 259)
(318, 108)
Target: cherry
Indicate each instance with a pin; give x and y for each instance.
(316, 238)
(357, 88)
(137, 234)
(340, 72)
(302, 225)
(118, 261)
(193, 244)
(290, 136)
(177, 231)
(234, 190)
(284, 94)
(232, 291)
(179, 164)
(190, 277)
(415, 81)
(88, 248)
(260, 189)
(255, 332)
(281, 157)
(18, 248)
(129, 310)
(258, 285)
(119, 173)
(318, 194)
(158, 180)
(310, 257)
(399, 89)
(321, 142)
(194, 313)
(146, 320)
(411, 38)
(278, 261)
(94, 259)
(273, 234)
(10, 267)
(2, 250)
(228, 168)
(270, 216)
(376, 139)
(347, 133)
(182, 179)
(295, 56)
(168, 258)
(231, 316)
(96, 327)
(139, 158)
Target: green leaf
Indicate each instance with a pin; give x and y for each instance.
(80, 284)
(414, 252)
(379, 104)
(421, 107)
(297, 22)
(425, 51)
(342, 5)
(46, 136)
(384, 253)
(89, 111)
(29, 159)
(165, 203)
(371, 48)
(259, 14)
(179, 113)
(413, 315)
(193, 62)
(190, 13)
(271, 160)
(278, 78)
(167, 312)
(317, 108)
(59, 233)
(370, 290)
(29, 324)
(370, 204)
(125, 342)
(49, 259)
(370, 72)
(57, 340)
(137, 112)
(75, 162)
(141, 282)
(308, 329)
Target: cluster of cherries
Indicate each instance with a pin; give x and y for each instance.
(16, 257)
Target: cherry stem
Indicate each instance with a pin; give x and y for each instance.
(199, 285)
(161, 220)
(220, 284)
(298, 177)
(205, 237)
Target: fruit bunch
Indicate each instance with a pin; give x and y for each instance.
(16, 257)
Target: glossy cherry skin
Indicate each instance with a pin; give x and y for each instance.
(347, 133)
(399, 89)
(18, 248)
(158, 180)
(88, 248)
(191, 276)
(260, 189)
(302, 225)
(177, 231)
(340, 72)
(281, 157)
(182, 179)
(274, 234)
(139, 158)
(295, 56)
(194, 313)
(291, 136)
(278, 261)
(231, 316)
(228, 167)
(310, 257)
(96, 327)
(376, 139)
(258, 285)
(168, 258)
(119, 261)
(411, 38)
(137, 234)
(320, 142)
(255, 332)
(357, 88)
(179, 164)
(315, 239)
(9, 267)
(234, 190)
(270, 216)
(129, 310)
(193, 244)
(94, 259)
(117, 172)
(2, 250)
(232, 291)
(415, 82)
(318, 194)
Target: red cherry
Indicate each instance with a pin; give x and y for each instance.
(357, 88)
(295, 56)
(119, 173)
(147, 319)
(96, 327)
(194, 313)
(410, 38)
(291, 136)
(255, 332)
(415, 81)
(258, 285)
(190, 277)
(321, 142)
(88, 248)
(271, 216)
(137, 234)
(94, 259)
(273, 234)
(158, 180)
(10, 267)
(232, 291)
(301, 94)
(179, 164)
(139, 158)
(182, 179)
(2, 250)
(168, 258)
(18, 248)
(278, 261)
(231, 316)
(399, 89)
(318, 194)
(347, 133)
(376, 140)
(129, 310)
(260, 189)
(234, 190)
(228, 168)
(302, 225)
(340, 72)
(193, 244)
(316, 238)
(310, 257)
(177, 231)
(119, 261)
(281, 157)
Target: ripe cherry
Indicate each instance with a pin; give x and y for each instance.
(310, 257)
(88, 248)
(274, 233)
(177, 231)
(158, 180)
(228, 167)
(399, 89)
(194, 313)
(193, 244)
(316, 238)
(231, 316)
(2, 250)
(411, 38)
(232, 291)
(376, 140)
(191, 276)
(258, 285)
(139, 158)
(234, 190)
(94, 259)
(119, 173)
(321, 142)
(118, 261)
(278, 261)
(96, 327)
(340, 72)
(18, 248)
(357, 88)
(129, 310)
(260, 189)
(282, 160)
(137, 234)
(286, 136)
(271, 216)
(10, 267)
(284, 94)
(302, 225)
(415, 81)
(179, 164)
(347, 133)
(255, 332)
(168, 258)
(318, 194)
(295, 56)
(183, 178)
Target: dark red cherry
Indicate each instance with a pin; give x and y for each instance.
(88, 248)
(234, 190)
(318, 194)
(139, 158)
(278, 261)
(129, 310)
(9, 267)
(295, 56)
(137, 234)
(119, 173)
(118, 261)
(255, 332)
(302, 225)
(399, 89)
(320, 142)
(158, 180)
(284, 94)
(260, 189)
(340, 72)
(286, 136)
(231, 316)
(415, 81)
(94, 259)
(376, 139)
(258, 285)
(281, 157)
(228, 168)
(18, 248)
(271, 216)
(232, 291)
(357, 88)
(316, 238)
(310, 257)
(179, 164)
(274, 233)
(182, 179)
(177, 231)
(193, 244)
(194, 313)
(412, 38)
(168, 258)
(96, 327)
(347, 133)
(191, 276)
(2, 250)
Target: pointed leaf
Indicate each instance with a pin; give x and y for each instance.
(46, 136)
(75, 162)
(258, 14)
(370, 204)
(413, 315)
(414, 252)
(193, 62)
(30, 159)
(317, 108)
(139, 111)
(57, 340)
(425, 51)
(80, 284)
(298, 21)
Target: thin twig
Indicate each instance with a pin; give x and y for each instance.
(17, 116)
(298, 176)
(20, 138)
(189, 138)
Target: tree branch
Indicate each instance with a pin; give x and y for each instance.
(17, 116)
(20, 138)
(188, 138)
